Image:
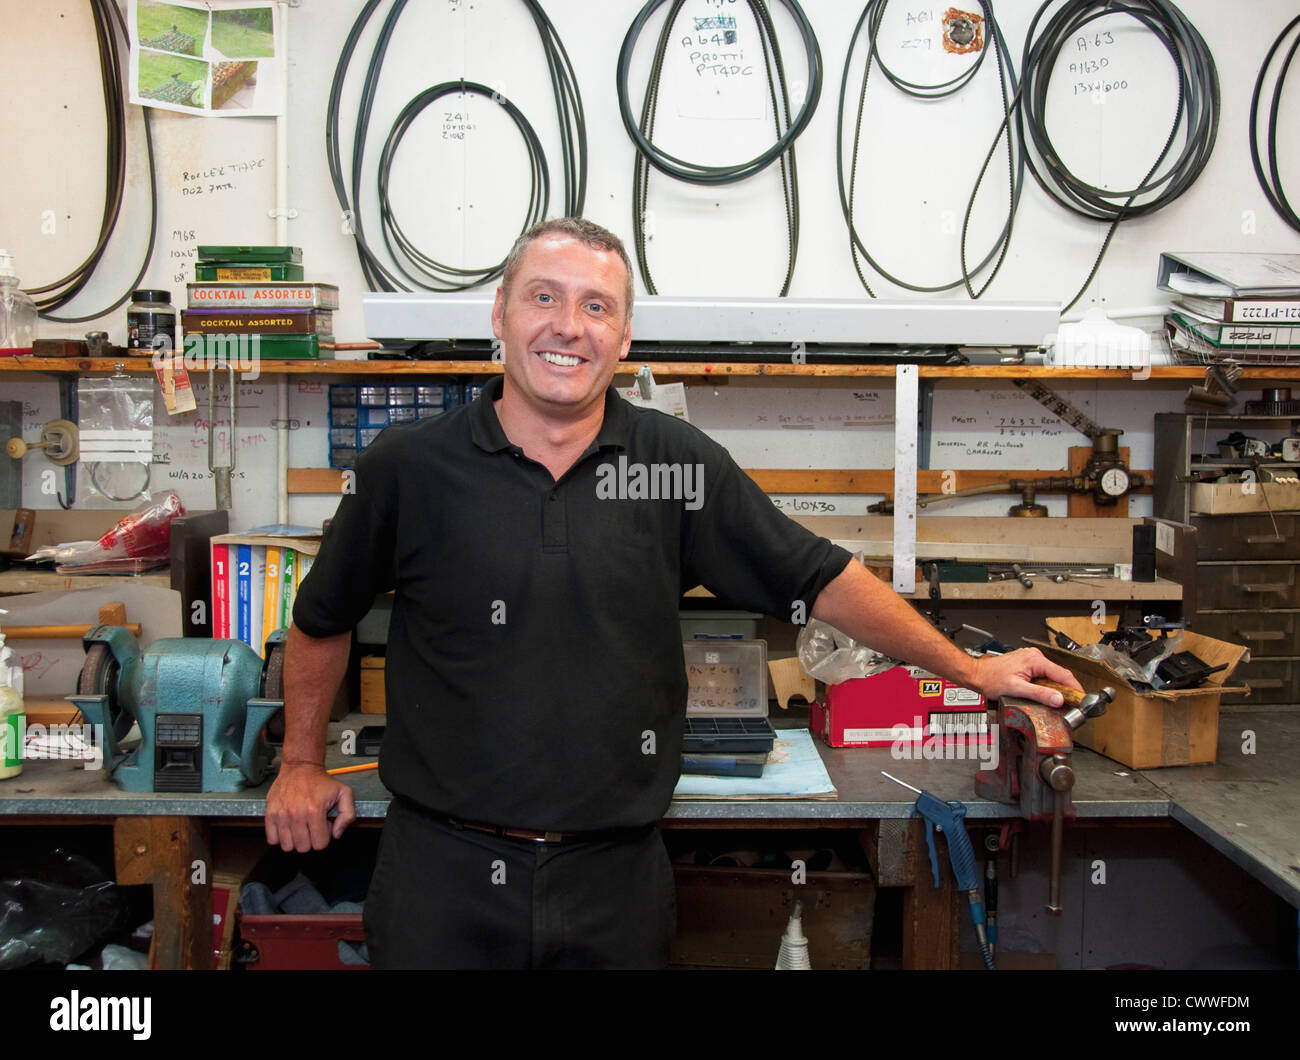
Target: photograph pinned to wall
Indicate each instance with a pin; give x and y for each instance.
(223, 60)
(171, 82)
(167, 27)
(243, 33)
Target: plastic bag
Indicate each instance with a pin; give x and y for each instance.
(1126, 667)
(1117, 661)
(69, 909)
(115, 417)
(832, 657)
(139, 539)
(115, 958)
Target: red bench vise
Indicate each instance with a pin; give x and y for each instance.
(1035, 768)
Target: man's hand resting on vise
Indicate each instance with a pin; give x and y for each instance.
(1011, 674)
(297, 804)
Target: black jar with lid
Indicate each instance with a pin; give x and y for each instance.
(151, 321)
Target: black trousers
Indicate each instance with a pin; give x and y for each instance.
(449, 897)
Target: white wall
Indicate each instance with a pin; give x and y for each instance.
(463, 200)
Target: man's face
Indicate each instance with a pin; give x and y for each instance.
(564, 324)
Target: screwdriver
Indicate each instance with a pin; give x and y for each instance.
(949, 818)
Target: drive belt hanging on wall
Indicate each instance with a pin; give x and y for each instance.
(787, 128)
(430, 274)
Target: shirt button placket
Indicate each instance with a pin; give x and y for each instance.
(555, 523)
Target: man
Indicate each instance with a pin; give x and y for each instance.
(536, 685)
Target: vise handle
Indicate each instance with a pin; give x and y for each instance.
(1072, 696)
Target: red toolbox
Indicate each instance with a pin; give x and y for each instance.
(278, 941)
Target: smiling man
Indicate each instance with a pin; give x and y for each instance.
(535, 678)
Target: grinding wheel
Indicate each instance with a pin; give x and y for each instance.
(273, 688)
(98, 677)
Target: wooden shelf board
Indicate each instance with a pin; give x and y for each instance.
(1087, 589)
(867, 481)
(661, 369)
(28, 581)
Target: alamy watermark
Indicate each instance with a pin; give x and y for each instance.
(203, 352)
(953, 741)
(631, 481)
(75, 1012)
(36, 741)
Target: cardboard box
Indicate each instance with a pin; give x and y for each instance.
(373, 699)
(1145, 730)
(1234, 498)
(902, 703)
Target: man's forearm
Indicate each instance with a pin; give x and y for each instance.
(313, 668)
(861, 605)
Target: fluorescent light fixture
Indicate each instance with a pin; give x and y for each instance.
(428, 316)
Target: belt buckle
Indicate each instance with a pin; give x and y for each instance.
(549, 837)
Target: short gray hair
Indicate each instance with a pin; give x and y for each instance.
(578, 228)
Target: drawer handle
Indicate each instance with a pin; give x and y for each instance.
(1270, 540)
(1270, 683)
(1260, 634)
(1267, 587)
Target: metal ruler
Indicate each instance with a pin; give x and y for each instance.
(906, 405)
(1055, 403)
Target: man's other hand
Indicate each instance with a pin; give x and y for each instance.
(1012, 674)
(297, 805)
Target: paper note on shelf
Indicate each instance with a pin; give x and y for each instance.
(666, 397)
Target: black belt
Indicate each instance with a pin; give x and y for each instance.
(528, 834)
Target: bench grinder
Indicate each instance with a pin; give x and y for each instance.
(203, 707)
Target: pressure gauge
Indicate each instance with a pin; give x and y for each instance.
(1114, 482)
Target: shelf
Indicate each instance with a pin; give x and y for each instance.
(664, 369)
(859, 482)
(1087, 589)
(1213, 465)
(1228, 417)
(41, 581)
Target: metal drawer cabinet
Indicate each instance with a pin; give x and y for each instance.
(1247, 586)
(1246, 537)
(1268, 634)
(1270, 681)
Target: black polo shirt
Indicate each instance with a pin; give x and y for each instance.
(535, 675)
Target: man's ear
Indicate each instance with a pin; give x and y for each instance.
(627, 341)
(499, 312)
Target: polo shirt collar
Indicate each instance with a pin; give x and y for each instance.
(487, 433)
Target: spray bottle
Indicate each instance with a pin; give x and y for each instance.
(17, 310)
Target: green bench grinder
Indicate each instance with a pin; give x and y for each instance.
(203, 707)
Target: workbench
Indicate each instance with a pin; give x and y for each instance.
(1244, 807)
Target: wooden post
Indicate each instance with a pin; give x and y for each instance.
(173, 855)
(930, 915)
